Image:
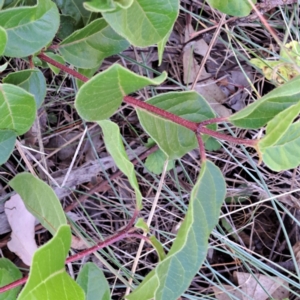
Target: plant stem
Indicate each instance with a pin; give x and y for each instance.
(229, 138)
(196, 127)
(160, 112)
(124, 233)
(64, 68)
(201, 148)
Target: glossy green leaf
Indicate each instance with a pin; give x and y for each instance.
(263, 110)
(75, 9)
(173, 275)
(238, 8)
(145, 22)
(87, 47)
(29, 29)
(279, 145)
(48, 278)
(156, 160)
(101, 96)
(106, 5)
(113, 143)
(57, 58)
(3, 40)
(93, 282)
(7, 144)
(40, 200)
(17, 108)
(175, 140)
(33, 81)
(9, 273)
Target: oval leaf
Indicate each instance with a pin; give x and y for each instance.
(144, 23)
(101, 96)
(238, 8)
(173, 275)
(7, 144)
(284, 154)
(29, 29)
(9, 273)
(103, 6)
(94, 42)
(33, 81)
(48, 278)
(93, 282)
(265, 109)
(114, 145)
(173, 139)
(74, 9)
(279, 125)
(18, 108)
(3, 40)
(40, 200)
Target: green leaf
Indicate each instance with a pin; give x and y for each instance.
(173, 139)
(75, 9)
(279, 147)
(158, 247)
(144, 23)
(141, 224)
(94, 42)
(101, 96)
(29, 29)
(161, 46)
(212, 144)
(18, 108)
(156, 160)
(3, 40)
(57, 58)
(263, 110)
(3, 67)
(33, 81)
(93, 282)
(279, 125)
(67, 27)
(89, 73)
(238, 8)
(48, 278)
(7, 144)
(284, 154)
(106, 5)
(173, 275)
(114, 145)
(9, 273)
(40, 200)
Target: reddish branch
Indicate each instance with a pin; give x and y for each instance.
(120, 235)
(198, 128)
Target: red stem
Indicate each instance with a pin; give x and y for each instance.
(201, 147)
(196, 127)
(124, 233)
(64, 68)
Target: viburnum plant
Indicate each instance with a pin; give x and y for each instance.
(177, 121)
